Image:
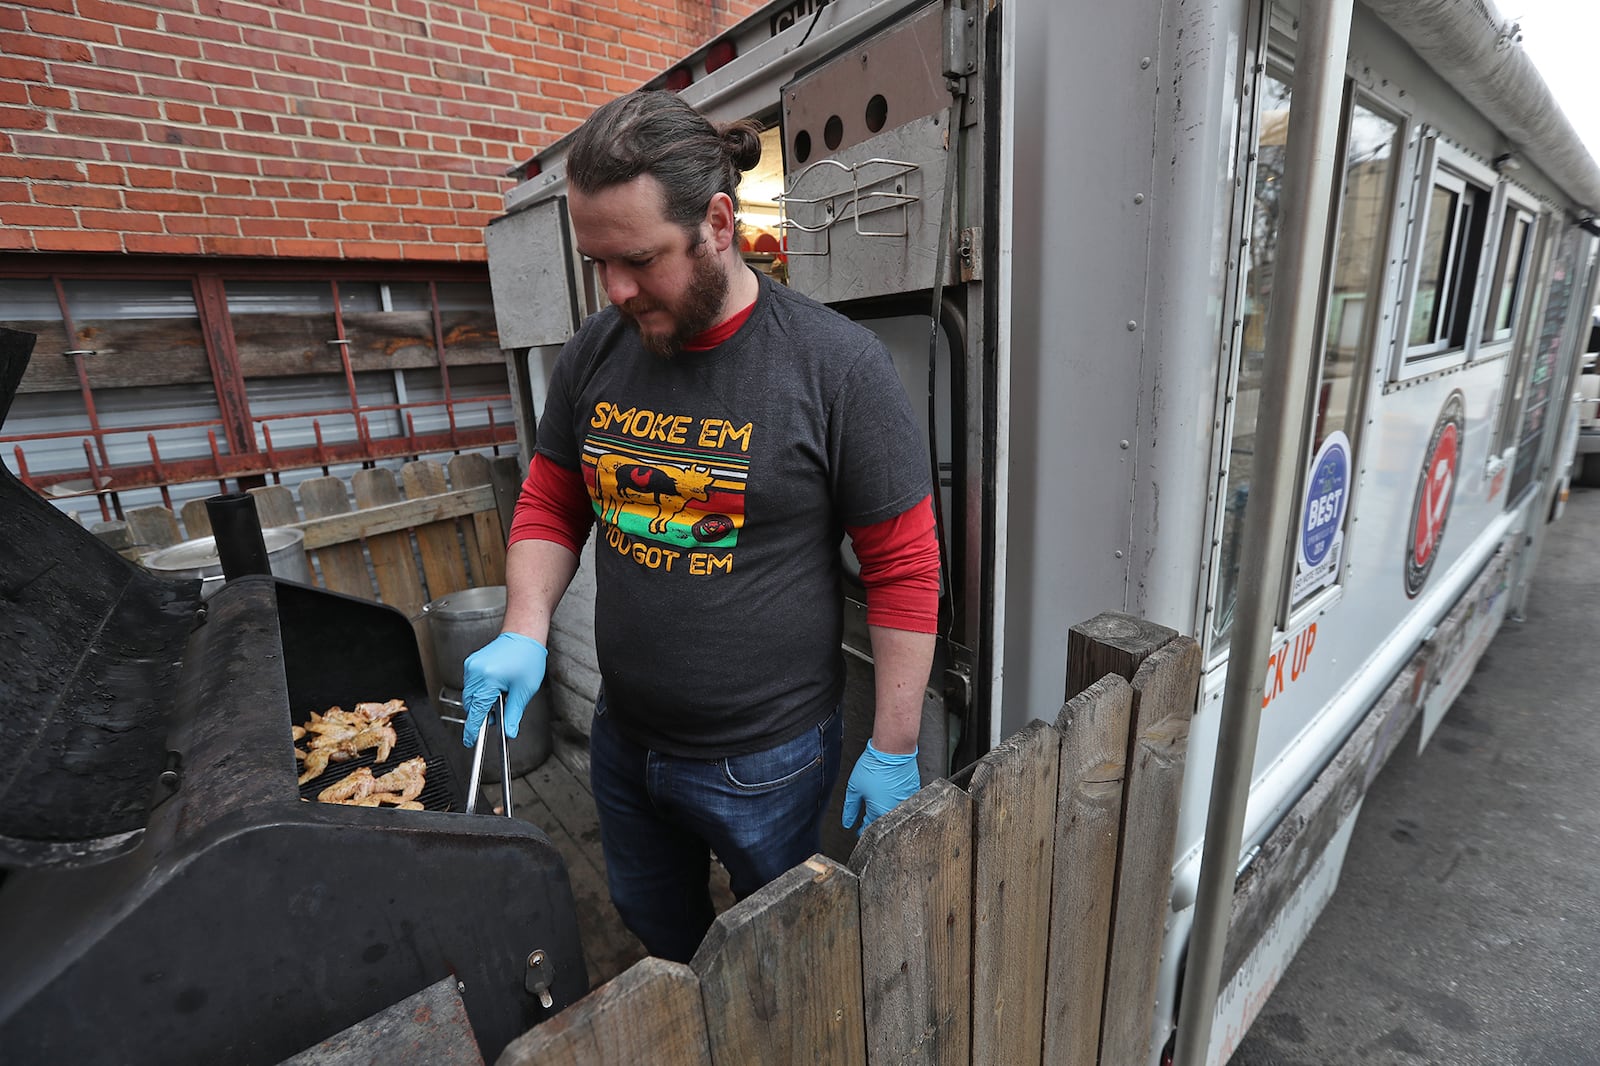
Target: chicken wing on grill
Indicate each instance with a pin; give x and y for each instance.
(339, 735)
(405, 780)
(316, 762)
(377, 713)
(399, 787)
(352, 789)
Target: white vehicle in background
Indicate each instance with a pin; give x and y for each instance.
(1588, 456)
(1068, 223)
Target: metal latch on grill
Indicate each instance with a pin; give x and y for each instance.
(537, 979)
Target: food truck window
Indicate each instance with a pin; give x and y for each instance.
(1265, 213)
(1450, 239)
(1371, 141)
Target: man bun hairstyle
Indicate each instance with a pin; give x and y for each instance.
(655, 132)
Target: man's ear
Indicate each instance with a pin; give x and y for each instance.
(721, 222)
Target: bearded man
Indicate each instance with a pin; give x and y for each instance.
(728, 433)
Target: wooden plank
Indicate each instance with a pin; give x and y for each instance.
(275, 506)
(459, 472)
(1110, 643)
(393, 517)
(152, 528)
(429, 1026)
(1013, 792)
(392, 560)
(129, 353)
(48, 370)
(196, 519)
(344, 566)
(282, 344)
(915, 867)
(383, 340)
(506, 474)
(1164, 693)
(438, 542)
(649, 1014)
(1094, 729)
(483, 533)
(568, 799)
(471, 337)
(115, 536)
(780, 973)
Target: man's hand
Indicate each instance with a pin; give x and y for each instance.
(510, 663)
(883, 780)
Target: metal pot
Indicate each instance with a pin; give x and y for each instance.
(286, 554)
(461, 623)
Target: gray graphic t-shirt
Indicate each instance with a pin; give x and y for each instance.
(723, 481)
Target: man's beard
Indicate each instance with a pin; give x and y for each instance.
(692, 315)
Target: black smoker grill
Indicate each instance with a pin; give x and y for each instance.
(167, 895)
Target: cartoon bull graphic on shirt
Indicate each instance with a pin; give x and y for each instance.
(622, 481)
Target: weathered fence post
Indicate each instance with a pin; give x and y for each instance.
(1164, 693)
(1094, 728)
(152, 528)
(649, 1013)
(1110, 643)
(505, 477)
(392, 561)
(275, 506)
(915, 866)
(483, 532)
(441, 550)
(344, 566)
(1013, 827)
(196, 519)
(780, 973)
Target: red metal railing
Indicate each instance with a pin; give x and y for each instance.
(107, 480)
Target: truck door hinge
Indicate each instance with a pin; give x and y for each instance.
(960, 40)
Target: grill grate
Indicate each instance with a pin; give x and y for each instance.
(438, 793)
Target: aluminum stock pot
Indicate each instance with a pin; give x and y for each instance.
(286, 554)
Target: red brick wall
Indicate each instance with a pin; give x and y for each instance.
(367, 129)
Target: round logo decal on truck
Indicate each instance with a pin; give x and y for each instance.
(1436, 491)
(1327, 497)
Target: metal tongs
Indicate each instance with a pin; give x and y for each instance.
(498, 716)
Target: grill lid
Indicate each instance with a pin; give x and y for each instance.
(92, 647)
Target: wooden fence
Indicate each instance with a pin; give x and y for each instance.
(411, 537)
(1009, 916)
(424, 533)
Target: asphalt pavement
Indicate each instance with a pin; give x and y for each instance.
(1465, 929)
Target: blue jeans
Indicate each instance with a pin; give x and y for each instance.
(662, 815)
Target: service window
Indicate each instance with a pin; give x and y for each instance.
(1541, 247)
(1273, 99)
(1447, 248)
(1507, 289)
(1371, 140)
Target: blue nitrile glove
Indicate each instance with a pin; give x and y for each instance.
(883, 780)
(510, 663)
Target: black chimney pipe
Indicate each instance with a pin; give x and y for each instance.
(241, 547)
